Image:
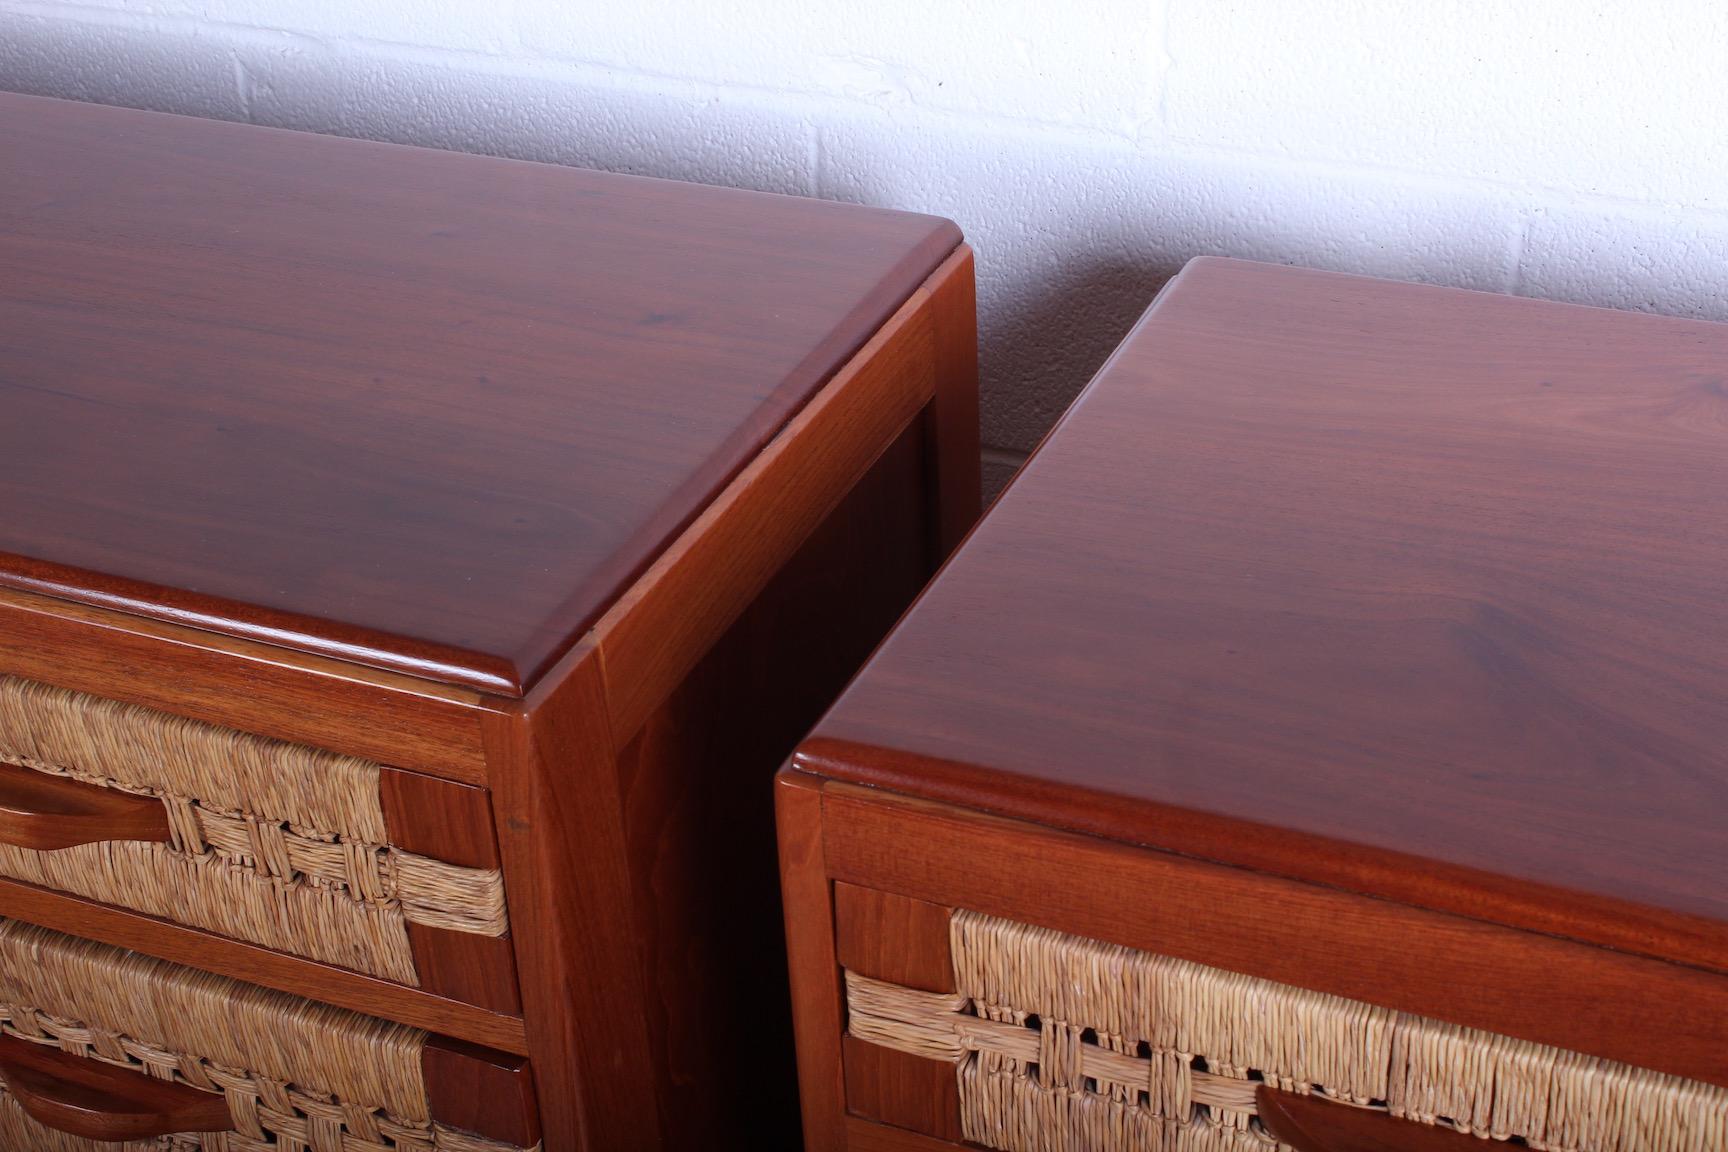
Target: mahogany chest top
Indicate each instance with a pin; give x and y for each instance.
(419, 410)
(1407, 590)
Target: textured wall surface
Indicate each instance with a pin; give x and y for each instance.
(1555, 148)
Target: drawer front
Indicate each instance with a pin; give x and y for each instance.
(277, 844)
(102, 1045)
(1022, 1038)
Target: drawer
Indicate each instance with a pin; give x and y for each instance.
(1046, 1040)
(102, 1045)
(297, 849)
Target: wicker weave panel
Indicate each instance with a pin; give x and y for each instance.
(1060, 1043)
(273, 843)
(296, 1074)
(153, 752)
(302, 920)
(1008, 1109)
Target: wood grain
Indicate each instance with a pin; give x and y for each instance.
(1315, 1124)
(205, 950)
(48, 812)
(561, 830)
(818, 1003)
(632, 785)
(479, 1090)
(465, 966)
(956, 464)
(438, 818)
(420, 410)
(1401, 589)
(897, 1088)
(893, 938)
(700, 832)
(242, 684)
(451, 822)
(570, 498)
(692, 593)
(83, 1097)
(1644, 1012)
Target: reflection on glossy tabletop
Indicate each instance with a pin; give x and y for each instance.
(419, 410)
(1407, 590)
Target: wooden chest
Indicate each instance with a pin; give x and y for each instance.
(412, 568)
(1319, 745)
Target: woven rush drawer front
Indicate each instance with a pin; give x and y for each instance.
(293, 1073)
(269, 842)
(1060, 1042)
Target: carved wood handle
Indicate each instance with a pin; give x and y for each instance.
(98, 1101)
(1316, 1124)
(46, 812)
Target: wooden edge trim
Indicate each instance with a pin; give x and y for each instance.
(818, 1012)
(1644, 1012)
(276, 692)
(481, 1090)
(893, 938)
(955, 460)
(693, 592)
(248, 962)
(560, 819)
(897, 1088)
(1533, 906)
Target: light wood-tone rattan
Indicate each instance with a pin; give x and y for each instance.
(1062, 1043)
(273, 843)
(295, 1073)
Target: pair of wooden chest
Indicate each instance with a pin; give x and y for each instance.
(413, 568)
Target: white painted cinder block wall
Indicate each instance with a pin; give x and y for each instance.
(1560, 148)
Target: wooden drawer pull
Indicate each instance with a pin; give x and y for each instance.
(1316, 1124)
(101, 1102)
(46, 812)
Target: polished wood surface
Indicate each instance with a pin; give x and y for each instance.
(616, 809)
(952, 439)
(438, 818)
(893, 938)
(1639, 1011)
(561, 829)
(49, 812)
(477, 970)
(451, 822)
(818, 1001)
(692, 593)
(901, 1090)
(475, 1089)
(244, 684)
(97, 1101)
(1406, 590)
(632, 786)
(571, 499)
(422, 411)
(700, 806)
(1315, 1124)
